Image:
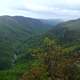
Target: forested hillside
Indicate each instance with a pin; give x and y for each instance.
(14, 31)
(39, 53)
(68, 31)
(58, 54)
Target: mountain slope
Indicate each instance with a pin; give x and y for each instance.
(67, 31)
(14, 31)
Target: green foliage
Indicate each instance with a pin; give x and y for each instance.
(14, 35)
(25, 54)
(48, 42)
(16, 72)
(38, 71)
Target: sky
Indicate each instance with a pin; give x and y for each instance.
(43, 9)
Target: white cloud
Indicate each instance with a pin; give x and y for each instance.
(65, 9)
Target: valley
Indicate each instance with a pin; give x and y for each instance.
(33, 49)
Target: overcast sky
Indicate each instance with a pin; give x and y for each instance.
(47, 9)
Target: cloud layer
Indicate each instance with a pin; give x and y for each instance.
(62, 9)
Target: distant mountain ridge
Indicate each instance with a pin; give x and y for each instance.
(20, 28)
